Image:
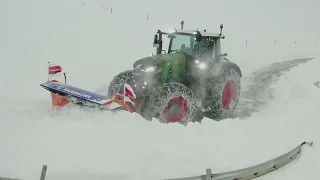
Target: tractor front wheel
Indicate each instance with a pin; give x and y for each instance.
(118, 81)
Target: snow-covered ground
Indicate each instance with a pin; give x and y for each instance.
(93, 45)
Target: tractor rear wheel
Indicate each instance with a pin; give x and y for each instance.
(222, 94)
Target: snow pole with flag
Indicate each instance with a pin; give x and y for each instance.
(55, 70)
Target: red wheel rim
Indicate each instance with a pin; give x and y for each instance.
(180, 106)
(229, 94)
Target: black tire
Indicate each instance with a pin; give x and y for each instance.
(160, 98)
(215, 105)
(118, 81)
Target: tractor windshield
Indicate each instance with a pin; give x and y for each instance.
(181, 42)
(187, 44)
(205, 47)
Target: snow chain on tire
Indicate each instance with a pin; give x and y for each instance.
(118, 81)
(213, 106)
(160, 97)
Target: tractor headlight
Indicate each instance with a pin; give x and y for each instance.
(200, 64)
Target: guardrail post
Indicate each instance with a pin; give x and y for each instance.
(208, 174)
(43, 172)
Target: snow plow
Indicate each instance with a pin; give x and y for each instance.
(189, 80)
(63, 94)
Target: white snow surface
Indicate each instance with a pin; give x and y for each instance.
(93, 45)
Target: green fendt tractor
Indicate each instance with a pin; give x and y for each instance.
(189, 80)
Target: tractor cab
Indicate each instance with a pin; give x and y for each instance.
(197, 44)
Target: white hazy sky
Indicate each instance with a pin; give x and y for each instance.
(282, 19)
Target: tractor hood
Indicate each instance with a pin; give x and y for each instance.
(150, 61)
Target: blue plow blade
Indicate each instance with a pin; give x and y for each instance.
(76, 95)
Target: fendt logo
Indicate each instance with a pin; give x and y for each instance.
(77, 93)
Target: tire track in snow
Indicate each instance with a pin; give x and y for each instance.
(257, 88)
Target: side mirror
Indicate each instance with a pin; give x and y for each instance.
(155, 41)
(225, 54)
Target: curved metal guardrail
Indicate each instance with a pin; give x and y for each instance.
(254, 171)
(241, 174)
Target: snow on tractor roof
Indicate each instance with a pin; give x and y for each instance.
(203, 33)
